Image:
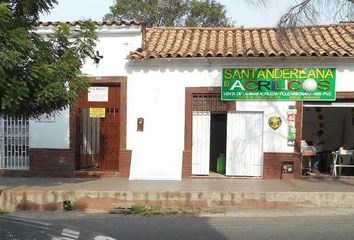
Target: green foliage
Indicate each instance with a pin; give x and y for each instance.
(145, 210)
(40, 73)
(155, 13)
(207, 13)
(138, 209)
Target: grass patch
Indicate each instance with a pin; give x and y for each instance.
(145, 210)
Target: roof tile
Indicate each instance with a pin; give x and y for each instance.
(103, 23)
(325, 40)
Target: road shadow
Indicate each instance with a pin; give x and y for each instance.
(148, 228)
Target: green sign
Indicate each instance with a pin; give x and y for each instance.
(297, 84)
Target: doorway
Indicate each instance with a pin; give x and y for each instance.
(218, 126)
(98, 129)
(237, 135)
(328, 128)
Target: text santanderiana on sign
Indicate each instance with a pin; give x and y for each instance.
(278, 73)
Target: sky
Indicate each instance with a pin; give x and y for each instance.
(241, 12)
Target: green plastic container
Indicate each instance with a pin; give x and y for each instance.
(220, 163)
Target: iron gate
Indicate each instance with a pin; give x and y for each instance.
(14, 143)
(99, 140)
(90, 140)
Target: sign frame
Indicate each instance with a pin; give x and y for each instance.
(97, 112)
(46, 118)
(97, 94)
(279, 84)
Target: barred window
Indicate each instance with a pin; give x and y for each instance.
(209, 102)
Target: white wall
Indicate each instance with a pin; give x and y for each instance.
(345, 76)
(50, 134)
(156, 92)
(115, 43)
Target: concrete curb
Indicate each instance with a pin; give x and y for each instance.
(13, 200)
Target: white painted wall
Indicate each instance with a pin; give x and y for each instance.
(50, 134)
(115, 43)
(156, 92)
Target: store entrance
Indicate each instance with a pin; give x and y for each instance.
(227, 144)
(328, 139)
(218, 124)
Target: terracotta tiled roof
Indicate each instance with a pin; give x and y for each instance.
(103, 23)
(324, 40)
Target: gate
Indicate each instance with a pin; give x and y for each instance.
(201, 143)
(244, 146)
(14, 143)
(98, 137)
(203, 105)
(89, 130)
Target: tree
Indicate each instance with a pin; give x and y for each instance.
(40, 74)
(309, 11)
(206, 14)
(156, 13)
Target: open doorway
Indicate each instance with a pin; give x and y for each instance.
(218, 129)
(329, 130)
(227, 144)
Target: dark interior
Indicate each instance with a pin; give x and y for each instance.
(218, 126)
(336, 125)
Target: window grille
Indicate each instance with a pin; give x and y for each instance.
(209, 102)
(14, 143)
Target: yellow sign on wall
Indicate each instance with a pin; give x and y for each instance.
(97, 112)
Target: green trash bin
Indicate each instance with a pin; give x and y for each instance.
(220, 163)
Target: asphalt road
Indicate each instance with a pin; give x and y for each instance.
(213, 228)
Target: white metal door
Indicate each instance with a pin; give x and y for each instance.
(244, 144)
(2, 140)
(201, 143)
(14, 140)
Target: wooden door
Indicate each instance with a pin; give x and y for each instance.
(98, 138)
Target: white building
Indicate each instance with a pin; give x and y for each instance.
(164, 117)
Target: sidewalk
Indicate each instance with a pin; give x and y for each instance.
(92, 194)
